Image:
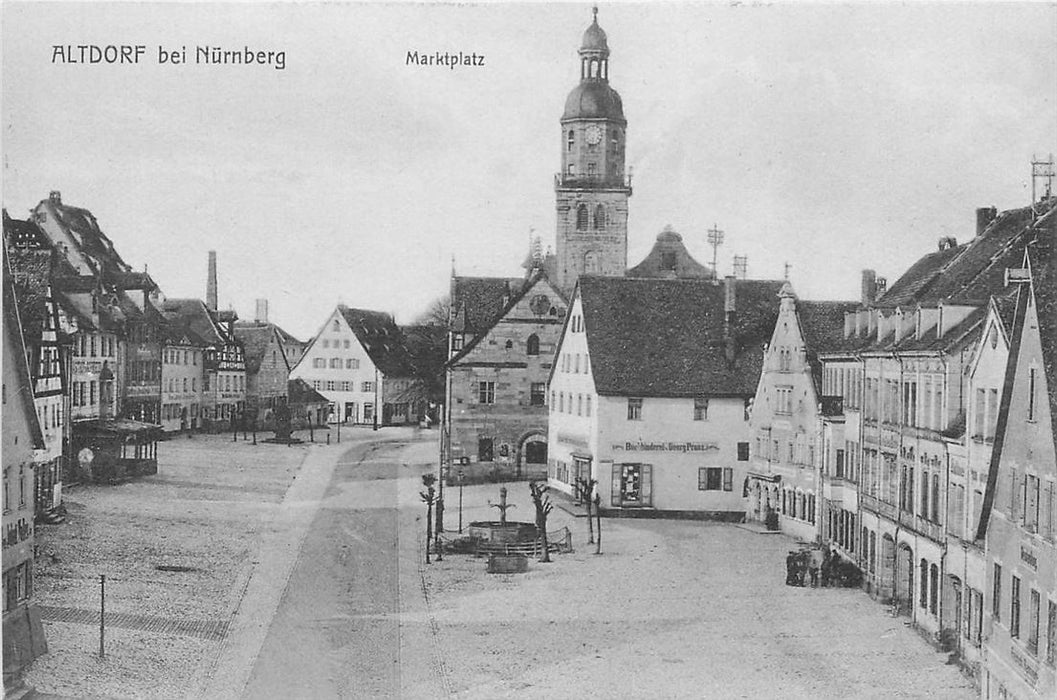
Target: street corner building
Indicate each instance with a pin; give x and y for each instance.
(651, 390)
(23, 631)
(783, 481)
(359, 360)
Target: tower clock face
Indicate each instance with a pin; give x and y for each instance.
(594, 135)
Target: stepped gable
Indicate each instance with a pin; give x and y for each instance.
(478, 302)
(650, 337)
(669, 258)
(381, 338)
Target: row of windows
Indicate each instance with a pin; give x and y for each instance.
(228, 382)
(22, 487)
(346, 343)
(1031, 625)
(798, 505)
(335, 363)
(331, 385)
(800, 450)
(570, 363)
(841, 527)
(144, 371)
(173, 411)
(50, 416)
(85, 393)
(1031, 504)
(172, 356)
(50, 362)
(562, 403)
(85, 345)
(614, 134)
(174, 386)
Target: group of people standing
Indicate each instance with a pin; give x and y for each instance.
(809, 566)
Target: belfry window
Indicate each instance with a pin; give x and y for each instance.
(571, 140)
(600, 218)
(581, 217)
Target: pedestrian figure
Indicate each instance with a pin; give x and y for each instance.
(791, 569)
(814, 564)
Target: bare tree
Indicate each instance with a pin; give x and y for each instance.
(586, 488)
(542, 501)
(429, 496)
(436, 314)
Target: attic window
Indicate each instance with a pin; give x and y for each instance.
(509, 344)
(668, 260)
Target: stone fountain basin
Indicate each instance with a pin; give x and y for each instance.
(502, 533)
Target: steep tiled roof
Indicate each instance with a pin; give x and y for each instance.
(381, 338)
(967, 273)
(822, 326)
(478, 302)
(90, 238)
(195, 316)
(255, 339)
(299, 391)
(669, 258)
(650, 337)
(13, 327)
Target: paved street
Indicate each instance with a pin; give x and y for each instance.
(308, 581)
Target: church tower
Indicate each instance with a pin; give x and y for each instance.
(592, 189)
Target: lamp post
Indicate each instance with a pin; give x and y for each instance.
(461, 475)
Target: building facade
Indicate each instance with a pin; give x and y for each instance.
(651, 391)
(23, 632)
(784, 476)
(360, 362)
(1021, 497)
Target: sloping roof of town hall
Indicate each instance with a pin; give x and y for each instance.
(968, 273)
(13, 326)
(255, 339)
(657, 337)
(478, 302)
(90, 238)
(1042, 256)
(381, 338)
(669, 259)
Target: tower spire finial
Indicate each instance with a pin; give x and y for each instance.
(594, 11)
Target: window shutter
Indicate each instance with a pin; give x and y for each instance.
(647, 484)
(728, 479)
(615, 492)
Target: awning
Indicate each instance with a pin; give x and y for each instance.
(116, 426)
(765, 477)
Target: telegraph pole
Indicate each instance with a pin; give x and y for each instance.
(715, 239)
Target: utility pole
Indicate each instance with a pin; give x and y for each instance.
(787, 267)
(715, 239)
(1041, 170)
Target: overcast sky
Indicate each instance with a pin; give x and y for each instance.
(829, 136)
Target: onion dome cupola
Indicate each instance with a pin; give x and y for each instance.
(593, 98)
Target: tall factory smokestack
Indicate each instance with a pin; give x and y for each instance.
(261, 314)
(211, 282)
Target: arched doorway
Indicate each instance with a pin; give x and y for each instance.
(886, 567)
(531, 454)
(904, 578)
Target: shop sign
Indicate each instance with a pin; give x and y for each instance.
(87, 366)
(569, 439)
(665, 446)
(1028, 557)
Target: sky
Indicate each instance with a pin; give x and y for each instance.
(832, 137)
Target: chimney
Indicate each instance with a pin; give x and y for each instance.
(729, 309)
(211, 282)
(261, 315)
(984, 216)
(869, 287)
(55, 197)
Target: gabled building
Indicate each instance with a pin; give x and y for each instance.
(33, 262)
(267, 365)
(182, 372)
(1020, 503)
(23, 632)
(223, 367)
(915, 409)
(651, 390)
(497, 375)
(784, 476)
(359, 360)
